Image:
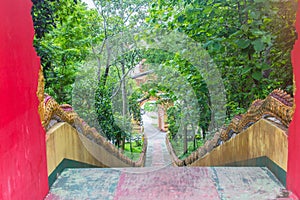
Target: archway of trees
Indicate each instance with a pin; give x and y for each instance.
(249, 42)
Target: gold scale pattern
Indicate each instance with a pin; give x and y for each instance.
(278, 107)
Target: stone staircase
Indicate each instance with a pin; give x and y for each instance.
(159, 179)
(167, 183)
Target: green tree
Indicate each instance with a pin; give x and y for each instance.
(243, 38)
(115, 60)
(63, 41)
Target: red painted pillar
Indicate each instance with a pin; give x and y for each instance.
(23, 170)
(293, 173)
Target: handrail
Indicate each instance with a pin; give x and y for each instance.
(55, 113)
(277, 108)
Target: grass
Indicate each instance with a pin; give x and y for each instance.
(178, 147)
(136, 150)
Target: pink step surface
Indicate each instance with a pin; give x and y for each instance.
(167, 183)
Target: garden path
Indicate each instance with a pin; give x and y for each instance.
(157, 153)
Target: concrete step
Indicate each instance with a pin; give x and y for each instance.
(189, 183)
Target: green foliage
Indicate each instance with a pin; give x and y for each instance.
(63, 42)
(178, 147)
(133, 152)
(106, 120)
(180, 81)
(150, 107)
(134, 105)
(250, 41)
(174, 118)
(43, 16)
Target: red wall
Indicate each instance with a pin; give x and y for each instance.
(293, 175)
(23, 173)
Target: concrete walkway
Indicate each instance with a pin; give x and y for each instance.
(157, 153)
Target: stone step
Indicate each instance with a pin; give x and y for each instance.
(165, 183)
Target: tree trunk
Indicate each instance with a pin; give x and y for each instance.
(194, 136)
(124, 102)
(185, 143)
(107, 65)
